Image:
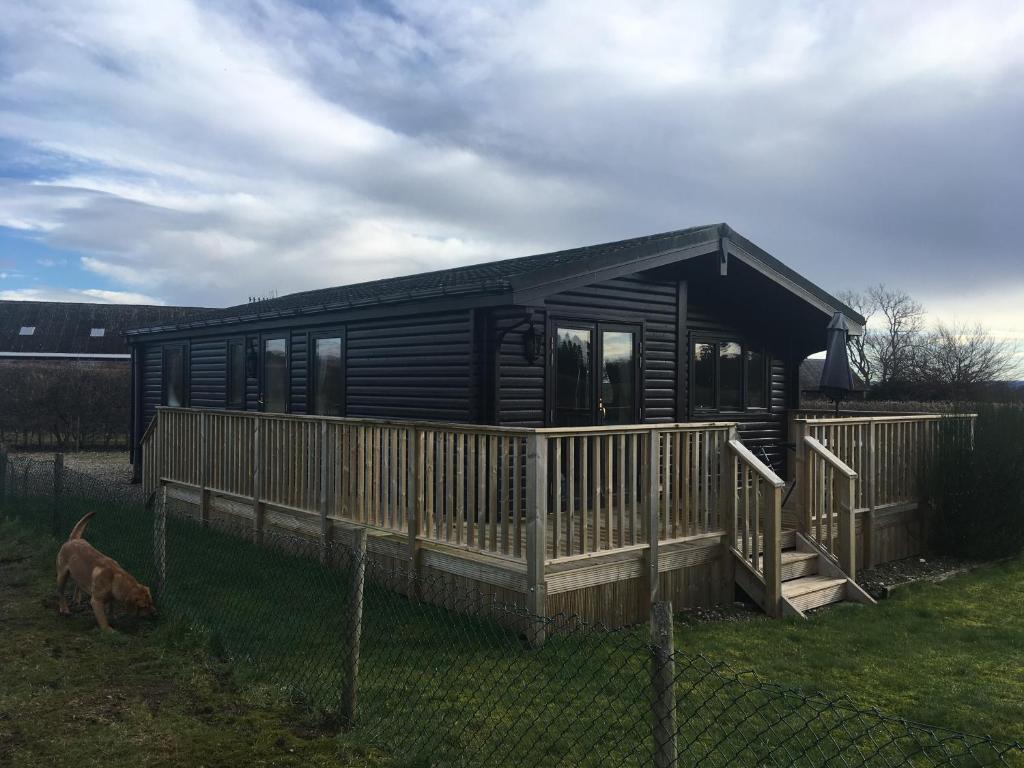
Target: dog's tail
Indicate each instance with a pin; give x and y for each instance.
(76, 532)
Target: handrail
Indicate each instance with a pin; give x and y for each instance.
(842, 420)
(828, 456)
(755, 522)
(830, 512)
(756, 464)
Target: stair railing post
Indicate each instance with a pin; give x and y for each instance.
(663, 686)
(773, 552)
(536, 536)
(727, 480)
(846, 493)
(800, 475)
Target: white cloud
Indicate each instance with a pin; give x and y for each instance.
(87, 295)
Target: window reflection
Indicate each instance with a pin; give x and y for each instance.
(573, 377)
(328, 388)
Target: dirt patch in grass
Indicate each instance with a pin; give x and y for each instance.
(73, 696)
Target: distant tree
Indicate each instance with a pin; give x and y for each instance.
(958, 362)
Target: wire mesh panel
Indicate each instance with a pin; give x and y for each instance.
(440, 673)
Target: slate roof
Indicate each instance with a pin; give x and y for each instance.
(810, 376)
(493, 277)
(65, 328)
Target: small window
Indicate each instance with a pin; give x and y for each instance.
(275, 375)
(756, 380)
(704, 375)
(97, 333)
(27, 330)
(236, 375)
(730, 376)
(329, 377)
(174, 377)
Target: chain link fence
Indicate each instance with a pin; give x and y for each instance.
(441, 674)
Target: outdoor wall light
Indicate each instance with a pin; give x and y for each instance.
(533, 344)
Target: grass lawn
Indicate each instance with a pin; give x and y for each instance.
(72, 696)
(949, 654)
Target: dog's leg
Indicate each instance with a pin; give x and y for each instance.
(62, 600)
(99, 608)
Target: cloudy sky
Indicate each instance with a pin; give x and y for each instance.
(199, 153)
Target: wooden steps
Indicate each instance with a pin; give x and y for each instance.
(810, 578)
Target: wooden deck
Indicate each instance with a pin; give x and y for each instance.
(595, 521)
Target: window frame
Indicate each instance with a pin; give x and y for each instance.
(596, 327)
(186, 393)
(262, 399)
(311, 394)
(716, 340)
(229, 377)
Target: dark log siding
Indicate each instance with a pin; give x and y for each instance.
(152, 382)
(765, 435)
(520, 384)
(417, 368)
(298, 348)
(207, 374)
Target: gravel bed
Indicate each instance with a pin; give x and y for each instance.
(879, 580)
(731, 612)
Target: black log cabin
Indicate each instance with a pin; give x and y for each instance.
(698, 324)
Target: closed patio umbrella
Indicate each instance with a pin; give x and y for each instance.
(836, 377)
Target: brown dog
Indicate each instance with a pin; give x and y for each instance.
(98, 576)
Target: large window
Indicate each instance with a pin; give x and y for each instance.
(328, 376)
(174, 377)
(275, 375)
(236, 375)
(728, 376)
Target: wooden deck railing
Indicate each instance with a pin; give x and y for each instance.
(884, 452)
(755, 521)
(468, 486)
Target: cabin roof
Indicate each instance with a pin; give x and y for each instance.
(810, 376)
(68, 329)
(527, 275)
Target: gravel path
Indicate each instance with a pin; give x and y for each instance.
(879, 580)
(107, 466)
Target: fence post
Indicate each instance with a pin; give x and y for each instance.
(58, 490)
(868, 520)
(160, 541)
(414, 506)
(257, 483)
(325, 526)
(663, 686)
(204, 469)
(3, 472)
(653, 489)
(536, 537)
(354, 626)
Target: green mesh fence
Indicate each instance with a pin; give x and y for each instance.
(449, 675)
